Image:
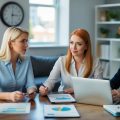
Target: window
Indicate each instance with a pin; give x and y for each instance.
(43, 21)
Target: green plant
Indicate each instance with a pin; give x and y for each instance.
(104, 30)
(112, 15)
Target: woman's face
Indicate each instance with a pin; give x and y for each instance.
(20, 45)
(77, 46)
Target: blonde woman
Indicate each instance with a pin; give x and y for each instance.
(77, 62)
(15, 68)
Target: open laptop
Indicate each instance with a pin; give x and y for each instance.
(92, 91)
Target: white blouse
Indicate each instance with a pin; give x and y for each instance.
(59, 70)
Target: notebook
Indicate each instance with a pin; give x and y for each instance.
(113, 109)
(60, 111)
(60, 98)
(92, 91)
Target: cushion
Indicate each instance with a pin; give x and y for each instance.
(42, 65)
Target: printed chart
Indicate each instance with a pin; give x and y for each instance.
(14, 108)
(59, 98)
(60, 111)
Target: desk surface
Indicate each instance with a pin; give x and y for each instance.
(87, 112)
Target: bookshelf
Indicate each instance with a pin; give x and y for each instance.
(107, 37)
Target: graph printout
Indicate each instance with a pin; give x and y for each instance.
(60, 111)
(60, 98)
(14, 108)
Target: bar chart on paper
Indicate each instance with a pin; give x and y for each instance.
(14, 108)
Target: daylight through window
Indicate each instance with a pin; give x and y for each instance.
(42, 22)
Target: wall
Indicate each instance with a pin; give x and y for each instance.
(25, 24)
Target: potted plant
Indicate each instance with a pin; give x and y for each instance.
(104, 32)
(112, 15)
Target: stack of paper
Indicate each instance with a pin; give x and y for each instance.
(60, 111)
(113, 109)
(60, 98)
(14, 108)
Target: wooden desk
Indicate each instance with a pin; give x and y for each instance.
(87, 112)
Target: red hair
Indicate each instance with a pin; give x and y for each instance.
(88, 54)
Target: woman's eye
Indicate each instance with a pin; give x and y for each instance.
(79, 44)
(71, 42)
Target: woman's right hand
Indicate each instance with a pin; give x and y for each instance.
(116, 95)
(16, 96)
(43, 90)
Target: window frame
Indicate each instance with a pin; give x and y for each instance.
(56, 7)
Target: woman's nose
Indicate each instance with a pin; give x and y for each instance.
(74, 46)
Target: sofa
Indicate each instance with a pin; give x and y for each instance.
(42, 66)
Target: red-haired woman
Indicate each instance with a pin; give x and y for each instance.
(78, 62)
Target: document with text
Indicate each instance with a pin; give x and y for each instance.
(113, 109)
(61, 98)
(14, 108)
(60, 111)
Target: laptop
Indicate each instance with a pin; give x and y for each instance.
(92, 91)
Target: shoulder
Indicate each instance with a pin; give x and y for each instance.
(62, 58)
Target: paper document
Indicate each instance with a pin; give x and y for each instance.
(14, 108)
(60, 98)
(60, 111)
(113, 109)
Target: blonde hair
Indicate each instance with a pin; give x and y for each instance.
(88, 54)
(11, 34)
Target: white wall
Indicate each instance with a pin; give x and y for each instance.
(25, 24)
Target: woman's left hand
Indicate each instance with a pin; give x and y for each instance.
(69, 91)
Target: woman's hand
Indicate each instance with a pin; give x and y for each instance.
(31, 93)
(69, 91)
(16, 96)
(43, 90)
(116, 95)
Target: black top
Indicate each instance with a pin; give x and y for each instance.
(115, 81)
